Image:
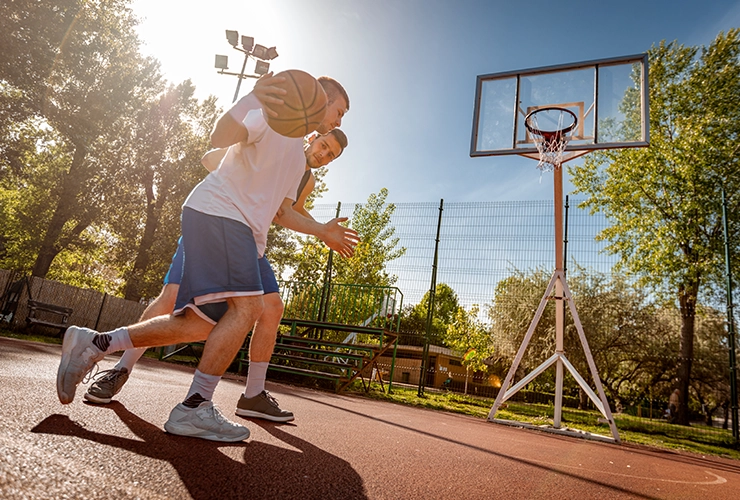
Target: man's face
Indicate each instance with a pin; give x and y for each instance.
(334, 114)
(322, 151)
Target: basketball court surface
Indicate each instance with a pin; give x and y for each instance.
(338, 447)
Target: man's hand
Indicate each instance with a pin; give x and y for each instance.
(267, 93)
(339, 238)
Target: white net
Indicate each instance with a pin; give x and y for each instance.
(552, 139)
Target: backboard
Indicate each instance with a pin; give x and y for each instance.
(609, 98)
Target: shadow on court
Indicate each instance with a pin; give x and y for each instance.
(209, 473)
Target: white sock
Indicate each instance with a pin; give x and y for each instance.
(120, 340)
(256, 379)
(129, 358)
(203, 384)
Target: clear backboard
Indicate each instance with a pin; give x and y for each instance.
(609, 98)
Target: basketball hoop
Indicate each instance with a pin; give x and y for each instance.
(550, 129)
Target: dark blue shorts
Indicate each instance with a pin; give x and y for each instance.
(174, 273)
(220, 261)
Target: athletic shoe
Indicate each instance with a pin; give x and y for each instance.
(205, 422)
(107, 385)
(263, 405)
(79, 357)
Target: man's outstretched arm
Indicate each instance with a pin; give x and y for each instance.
(337, 237)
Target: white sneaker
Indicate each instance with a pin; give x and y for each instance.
(205, 422)
(79, 356)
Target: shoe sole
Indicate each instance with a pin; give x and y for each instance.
(264, 416)
(67, 345)
(97, 400)
(190, 431)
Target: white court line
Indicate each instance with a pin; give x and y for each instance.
(718, 480)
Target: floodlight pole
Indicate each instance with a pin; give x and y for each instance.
(242, 76)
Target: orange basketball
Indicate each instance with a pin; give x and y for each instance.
(304, 105)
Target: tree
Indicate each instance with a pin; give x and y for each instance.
(664, 200)
(75, 67)
(628, 335)
(467, 334)
(446, 306)
(160, 162)
(378, 245)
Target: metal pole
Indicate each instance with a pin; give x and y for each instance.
(559, 309)
(324, 304)
(241, 75)
(430, 308)
(565, 238)
(730, 324)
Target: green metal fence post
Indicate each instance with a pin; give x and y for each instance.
(326, 289)
(430, 309)
(565, 237)
(730, 324)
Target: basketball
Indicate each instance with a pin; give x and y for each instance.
(304, 105)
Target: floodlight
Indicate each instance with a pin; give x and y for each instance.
(232, 37)
(261, 67)
(222, 62)
(259, 51)
(247, 42)
(271, 54)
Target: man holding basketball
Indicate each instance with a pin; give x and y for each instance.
(224, 229)
(320, 150)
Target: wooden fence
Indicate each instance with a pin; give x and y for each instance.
(91, 308)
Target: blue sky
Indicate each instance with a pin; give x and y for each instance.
(410, 68)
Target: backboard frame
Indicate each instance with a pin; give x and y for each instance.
(575, 149)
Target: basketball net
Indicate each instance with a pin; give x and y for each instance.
(550, 145)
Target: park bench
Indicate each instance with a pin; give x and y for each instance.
(51, 315)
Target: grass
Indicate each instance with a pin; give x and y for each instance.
(654, 433)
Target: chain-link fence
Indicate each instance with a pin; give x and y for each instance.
(500, 256)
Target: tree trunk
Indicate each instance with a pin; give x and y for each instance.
(582, 399)
(133, 282)
(687, 295)
(51, 244)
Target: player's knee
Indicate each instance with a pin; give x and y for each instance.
(273, 305)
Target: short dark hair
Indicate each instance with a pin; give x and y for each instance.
(333, 89)
(341, 138)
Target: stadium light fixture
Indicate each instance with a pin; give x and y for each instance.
(247, 43)
(222, 62)
(271, 54)
(261, 67)
(232, 37)
(259, 53)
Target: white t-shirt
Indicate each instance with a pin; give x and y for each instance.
(254, 177)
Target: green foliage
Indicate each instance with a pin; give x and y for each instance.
(96, 156)
(74, 69)
(664, 201)
(378, 245)
(446, 306)
(633, 338)
(468, 335)
(158, 160)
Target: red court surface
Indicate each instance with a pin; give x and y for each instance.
(338, 447)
